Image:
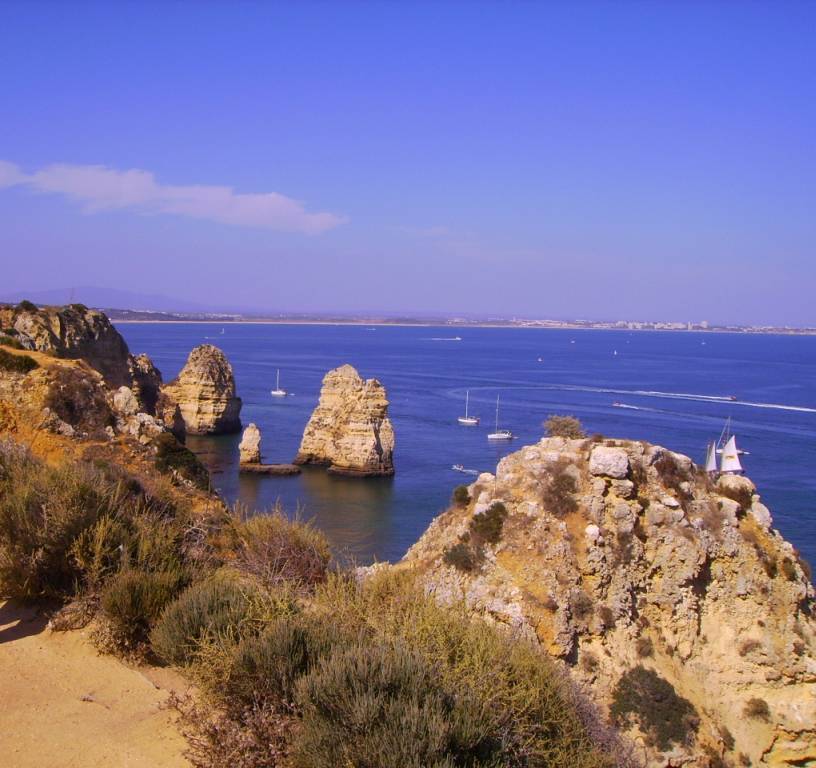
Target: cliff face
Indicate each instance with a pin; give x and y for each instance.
(73, 332)
(349, 430)
(205, 393)
(625, 561)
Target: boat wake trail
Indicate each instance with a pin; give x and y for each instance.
(686, 396)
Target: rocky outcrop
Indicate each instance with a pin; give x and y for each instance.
(250, 447)
(349, 430)
(625, 561)
(205, 393)
(147, 381)
(73, 332)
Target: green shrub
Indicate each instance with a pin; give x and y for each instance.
(133, 600)
(461, 497)
(564, 426)
(26, 306)
(664, 717)
(383, 705)
(487, 526)
(789, 569)
(757, 709)
(17, 363)
(172, 456)
(10, 341)
(582, 605)
(461, 556)
(276, 549)
(558, 493)
(524, 701)
(217, 608)
(43, 511)
(266, 667)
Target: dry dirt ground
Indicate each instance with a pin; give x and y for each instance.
(62, 705)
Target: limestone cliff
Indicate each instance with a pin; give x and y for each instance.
(643, 575)
(205, 393)
(73, 332)
(349, 430)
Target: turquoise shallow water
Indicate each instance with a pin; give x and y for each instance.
(672, 379)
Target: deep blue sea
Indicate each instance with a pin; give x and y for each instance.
(672, 378)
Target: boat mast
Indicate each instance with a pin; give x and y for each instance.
(467, 397)
(497, 413)
(277, 380)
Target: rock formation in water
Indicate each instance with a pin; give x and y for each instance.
(349, 430)
(669, 595)
(73, 332)
(205, 393)
(250, 447)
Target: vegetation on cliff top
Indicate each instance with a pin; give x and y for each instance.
(298, 665)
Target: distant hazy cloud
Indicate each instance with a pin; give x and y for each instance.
(99, 189)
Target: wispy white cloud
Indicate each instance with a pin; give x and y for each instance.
(99, 188)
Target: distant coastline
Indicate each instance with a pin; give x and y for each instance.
(132, 317)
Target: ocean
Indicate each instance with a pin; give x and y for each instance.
(678, 385)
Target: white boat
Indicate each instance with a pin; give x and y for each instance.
(278, 392)
(499, 434)
(711, 459)
(461, 468)
(468, 421)
(728, 451)
(624, 405)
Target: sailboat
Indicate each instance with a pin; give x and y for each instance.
(468, 421)
(711, 459)
(499, 434)
(278, 392)
(729, 453)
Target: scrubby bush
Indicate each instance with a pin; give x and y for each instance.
(789, 569)
(461, 556)
(383, 705)
(757, 709)
(558, 496)
(173, 457)
(43, 511)
(8, 340)
(461, 497)
(564, 426)
(276, 550)
(582, 605)
(133, 600)
(267, 666)
(664, 717)
(26, 306)
(217, 608)
(749, 646)
(671, 473)
(742, 494)
(77, 398)
(487, 526)
(644, 647)
(17, 363)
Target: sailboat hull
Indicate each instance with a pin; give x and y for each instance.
(468, 421)
(500, 435)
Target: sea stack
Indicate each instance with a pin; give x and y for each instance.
(205, 393)
(250, 447)
(349, 430)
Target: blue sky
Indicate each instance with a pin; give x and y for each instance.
(599, 160)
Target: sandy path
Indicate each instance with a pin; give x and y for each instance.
(64, 706)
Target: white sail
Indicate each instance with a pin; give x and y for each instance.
(711, 458)
(729, 461)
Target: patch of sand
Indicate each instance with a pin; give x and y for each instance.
(65, 706)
